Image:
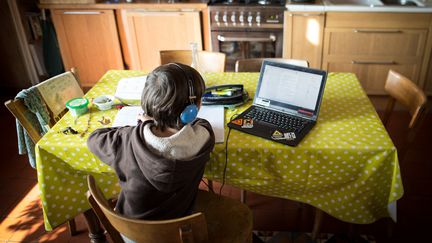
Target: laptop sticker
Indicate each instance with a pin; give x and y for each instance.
(247, 123)
(237, 122)
(277, 135)
(283, 136)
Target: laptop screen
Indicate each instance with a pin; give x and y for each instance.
(289, 88)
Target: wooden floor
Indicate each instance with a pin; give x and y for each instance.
(22, 220)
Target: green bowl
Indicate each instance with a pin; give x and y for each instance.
(77, 106)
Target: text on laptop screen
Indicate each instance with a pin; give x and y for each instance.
(290, 87)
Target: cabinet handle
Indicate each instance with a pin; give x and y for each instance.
(374, 62)
(83, 12)
(271, 38)
(306, 14)
(377, 31)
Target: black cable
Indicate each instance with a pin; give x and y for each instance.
(226, 155)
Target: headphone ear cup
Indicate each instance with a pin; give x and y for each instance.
(189, 114)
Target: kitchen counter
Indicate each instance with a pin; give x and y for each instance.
(327, 6)
(181, 5)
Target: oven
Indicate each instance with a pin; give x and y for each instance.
(246, 30)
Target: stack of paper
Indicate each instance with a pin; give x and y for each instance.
(130, 89)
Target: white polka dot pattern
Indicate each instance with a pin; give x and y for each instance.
(347, 165)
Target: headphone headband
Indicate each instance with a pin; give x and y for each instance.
(190, 112)
(192, 95)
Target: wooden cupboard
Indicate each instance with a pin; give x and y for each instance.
(303, 36)
(88, 41)
(369, 44)
(144, 33)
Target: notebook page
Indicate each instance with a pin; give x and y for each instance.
(127, 116)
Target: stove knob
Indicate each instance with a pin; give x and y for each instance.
(233, 18)
(216, 17)
(225, 18)
(241, 18)
(258, 19)
(250, 18)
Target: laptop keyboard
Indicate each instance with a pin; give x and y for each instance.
(276, 119)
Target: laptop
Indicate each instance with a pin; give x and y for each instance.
(286, 103)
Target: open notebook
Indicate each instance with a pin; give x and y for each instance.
(127, 116)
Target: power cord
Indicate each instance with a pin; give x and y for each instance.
(226, 155)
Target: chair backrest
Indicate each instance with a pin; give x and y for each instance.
(208, 61)
(19, 110)
(192, 228)
(55, 92)
(254, 64)
(405, 92)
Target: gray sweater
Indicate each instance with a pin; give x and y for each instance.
(152, 186)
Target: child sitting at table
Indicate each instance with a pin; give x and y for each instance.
(160, 162)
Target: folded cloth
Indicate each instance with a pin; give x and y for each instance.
(38, 115)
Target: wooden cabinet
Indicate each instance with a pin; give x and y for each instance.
(369, 44)
(89, 41)
(303, 36)
(145, 33)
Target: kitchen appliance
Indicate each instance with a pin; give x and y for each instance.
(246, 29)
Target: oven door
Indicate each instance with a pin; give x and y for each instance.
(242, 45)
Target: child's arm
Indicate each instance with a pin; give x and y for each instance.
(104, 143)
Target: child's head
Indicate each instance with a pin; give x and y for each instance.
(166, 93)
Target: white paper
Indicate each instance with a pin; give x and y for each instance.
(127, 116)
(130, 88)
(216, 116)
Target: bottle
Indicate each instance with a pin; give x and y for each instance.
(195, 61)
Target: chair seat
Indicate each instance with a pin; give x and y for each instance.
(228, 220)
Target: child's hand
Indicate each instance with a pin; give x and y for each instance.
(143, 118)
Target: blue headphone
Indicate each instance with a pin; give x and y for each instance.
(190, 112)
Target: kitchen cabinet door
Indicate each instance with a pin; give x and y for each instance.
(146, 33)
(88, 41)
(303, 36)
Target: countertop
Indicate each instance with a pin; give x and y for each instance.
(326, 6)
(181, 5)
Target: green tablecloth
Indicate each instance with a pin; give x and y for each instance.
(347, 165)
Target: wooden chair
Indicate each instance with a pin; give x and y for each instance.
(254, 64)
(208, 61)
(216, 219)
(19, 111)
(405, 92)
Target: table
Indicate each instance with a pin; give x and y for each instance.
(346, 166)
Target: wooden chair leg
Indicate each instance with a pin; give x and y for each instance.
(96, 233)
(72, 227)
(210, 185)
(243, 196)
(317, 223)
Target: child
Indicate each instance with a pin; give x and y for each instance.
(160, 162)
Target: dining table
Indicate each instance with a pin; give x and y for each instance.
(347, 165)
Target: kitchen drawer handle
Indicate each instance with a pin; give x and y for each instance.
(82, 12)
(377, 31)
(374, 62)
(271, 38)
(306, 14)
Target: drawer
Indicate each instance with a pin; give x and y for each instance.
(364, 42)
(372, 75)
(380, 20)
